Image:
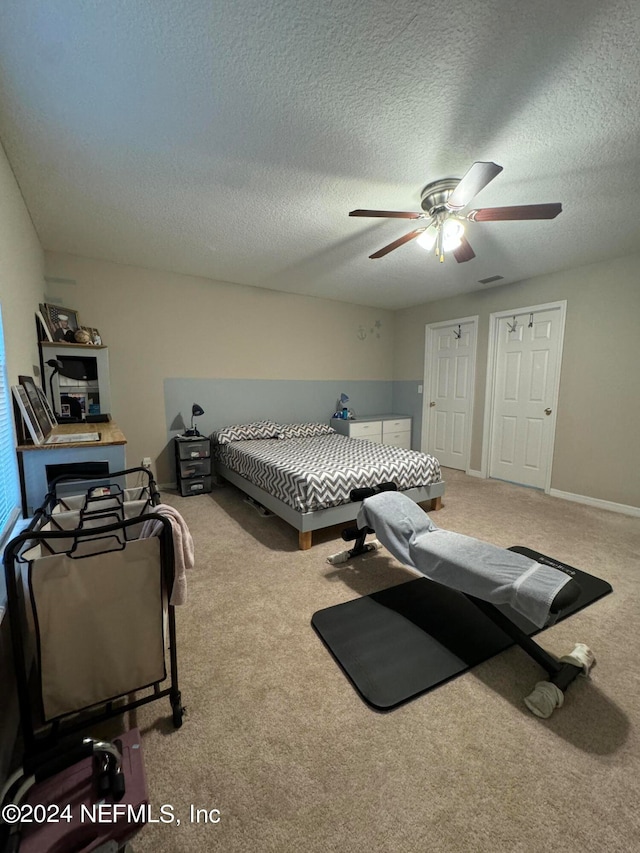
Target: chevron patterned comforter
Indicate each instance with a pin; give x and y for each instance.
(314, 473)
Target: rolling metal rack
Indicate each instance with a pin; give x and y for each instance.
(95, 594)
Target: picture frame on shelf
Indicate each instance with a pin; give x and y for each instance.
(28, 415)
(44, 332)
(46, 405)
(46, 419)
(95, 337)
(61, 322)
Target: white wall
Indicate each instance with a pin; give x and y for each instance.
(21, 289)
(161, 325)
(597, 452)
(21, 276)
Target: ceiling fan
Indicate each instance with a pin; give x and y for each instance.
(442, 202)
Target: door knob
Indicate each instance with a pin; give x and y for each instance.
(432, 404)
(547, 411)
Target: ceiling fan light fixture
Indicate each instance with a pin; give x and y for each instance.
(452, 234)
(428, 238)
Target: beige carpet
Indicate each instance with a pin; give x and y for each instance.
(279, 742)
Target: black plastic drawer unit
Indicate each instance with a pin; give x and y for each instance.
(193, 464)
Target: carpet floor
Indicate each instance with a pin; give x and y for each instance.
(278, 742)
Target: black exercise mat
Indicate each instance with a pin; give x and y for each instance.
(400, 642)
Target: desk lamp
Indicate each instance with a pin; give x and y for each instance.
(341, 407)
(57, 366)
(196, 411)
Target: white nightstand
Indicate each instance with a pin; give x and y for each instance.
(385, 429)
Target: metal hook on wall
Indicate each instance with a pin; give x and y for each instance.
(458, 334)
(530, 320)
(513, 327)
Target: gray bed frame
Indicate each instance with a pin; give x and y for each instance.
(306, 522)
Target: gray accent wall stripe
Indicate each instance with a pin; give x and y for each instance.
(231, 401)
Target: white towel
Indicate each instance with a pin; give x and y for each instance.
(461, 562)
(183, 550)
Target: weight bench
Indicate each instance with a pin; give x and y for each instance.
(478, 599)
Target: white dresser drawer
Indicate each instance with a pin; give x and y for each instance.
(398, 439)
(384, 430)
(371, 430)
(399, 425)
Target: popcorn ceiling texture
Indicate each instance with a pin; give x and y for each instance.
(230, 140)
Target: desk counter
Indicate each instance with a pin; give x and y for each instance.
(110, 433)
(35, 459)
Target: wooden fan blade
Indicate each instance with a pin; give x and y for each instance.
(521, 211)
(391, 214)
(464, 252)
(397, 243)
(476, 179)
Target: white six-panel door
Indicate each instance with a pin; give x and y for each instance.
(528, 347)
(449, 383)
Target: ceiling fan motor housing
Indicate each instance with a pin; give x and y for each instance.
(434, 196)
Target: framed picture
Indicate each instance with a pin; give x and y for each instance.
(46, 405)
(44, 332)
(43, 316)
(28, 415)
(94, 336)
(41, 415)
(62, 323)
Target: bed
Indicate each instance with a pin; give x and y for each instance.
(304, 473)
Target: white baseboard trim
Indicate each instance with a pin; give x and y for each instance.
(608, 505)
(471, 473)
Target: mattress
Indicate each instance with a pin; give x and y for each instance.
(310, 474)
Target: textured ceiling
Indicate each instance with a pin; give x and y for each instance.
(231, 139)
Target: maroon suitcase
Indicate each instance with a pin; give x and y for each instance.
(91, 820)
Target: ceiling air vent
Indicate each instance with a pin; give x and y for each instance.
(491, 279)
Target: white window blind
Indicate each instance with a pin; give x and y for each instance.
(9, 484)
